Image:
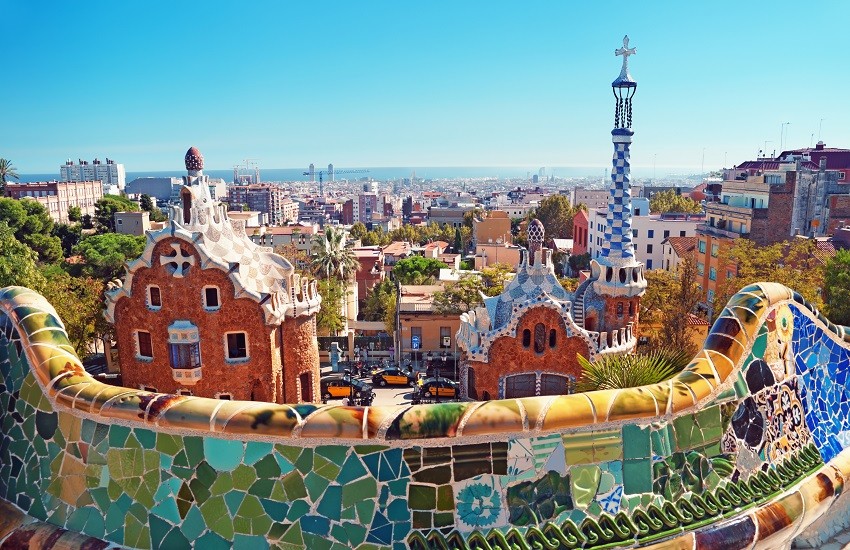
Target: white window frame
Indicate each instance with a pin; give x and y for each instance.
(227, 357)
(204, 298)
(148, 297)
(185, 392)
(222, 394)
(139, 355)
(150, 389)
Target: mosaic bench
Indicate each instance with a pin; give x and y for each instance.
(746, 446)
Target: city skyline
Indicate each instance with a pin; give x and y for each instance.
(439, 85)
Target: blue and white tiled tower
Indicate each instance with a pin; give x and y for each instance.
(616, 271)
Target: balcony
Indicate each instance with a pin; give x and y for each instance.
(187, 377)
(708, 229)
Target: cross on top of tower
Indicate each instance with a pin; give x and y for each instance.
(625, 51)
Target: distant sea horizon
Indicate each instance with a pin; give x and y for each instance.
(392, 173)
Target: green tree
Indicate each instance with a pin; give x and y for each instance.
(330, 318)
(580, 262)
(147, 205)
(417, 270)
(7, 172)
(458, 245)
(75, 214)
(668, 201)
(79, 303)
(556, 214)
(791, 263)
(17, 262)
(105, 209)
(331, 256)
(836, 288)
(613, 372)
(494, 277)
(87, 222)
(464, 295)
(32, 225)
(667, 304)
(104, 255)
(380, 304)
(358, 231)
(145, 202)
(69, 236)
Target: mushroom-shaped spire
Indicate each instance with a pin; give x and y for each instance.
(536, 236)
(194, 160)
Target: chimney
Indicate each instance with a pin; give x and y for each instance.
(820, 145)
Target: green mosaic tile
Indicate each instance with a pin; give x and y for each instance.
(445, 498)
(355, 492)
(636, 442)
(422, 520)
(168, 444)
(252, 512)
(330, 505)
(365, 510)
(233, 500)
(194, 449)
(294, 487)
(136, 533)
(325, 467)
(304, 463)
(266, 467)
(222, 484)
(334, 453)
(175, 539)
(117, 435)
(316, 485)
(257, 450)
(211, 541)
(585, 484)
(275, 509)
(147, 438)
(217, 517)
(351, 469)
(444, 519)
(223, 454)
(422, 497)
(243, 477)
(438, 475)
(710, 424)
(369, 449)
(637, 476)
(297, 509)
(262, 488)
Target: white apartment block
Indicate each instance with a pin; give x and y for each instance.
(110, 173)
(648, 231)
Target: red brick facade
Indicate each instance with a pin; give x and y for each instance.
(275, 359)
(509, 355)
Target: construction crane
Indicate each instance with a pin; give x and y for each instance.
(242, 172)
(331, 172)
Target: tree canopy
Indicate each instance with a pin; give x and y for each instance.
(330, 318)
(7, 172)
(17, 261)
(31, 224)
(380, 305)
(667, 304)
(556, 213)
(466, 293)
(105, 209)
(791, 263)
(417, 270)
(331, 256)
(836, 288)
(104, 255)
(668, 201)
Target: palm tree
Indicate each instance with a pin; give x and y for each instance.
(7, 172)
(331, 258)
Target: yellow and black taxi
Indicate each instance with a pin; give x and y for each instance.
(392, 376)
(430, 388)
(340, 385)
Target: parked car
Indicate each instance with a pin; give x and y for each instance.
(392, 376)
(340, 385)
(430, 388)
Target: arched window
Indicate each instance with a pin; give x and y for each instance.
(526, 338)
(619, 309)
(186, 195)
(631, 309)
(553, 338)
(539, 337)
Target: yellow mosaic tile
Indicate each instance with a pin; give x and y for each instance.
(343, 422)
(633, 403)
(569, 411)
(494, 417)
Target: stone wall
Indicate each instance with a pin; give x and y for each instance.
(300, 360)
(182, 299)
(509, 355)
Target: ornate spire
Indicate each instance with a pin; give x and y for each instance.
(624, 88)
(194, 160)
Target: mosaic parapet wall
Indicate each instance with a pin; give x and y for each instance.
(748, 443)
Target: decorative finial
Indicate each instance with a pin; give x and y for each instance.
(625, 51)
(194, 160)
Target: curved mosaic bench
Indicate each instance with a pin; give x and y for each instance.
(733, 445)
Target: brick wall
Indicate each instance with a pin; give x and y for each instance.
(508, 355)
(300, 357)
(182, 300)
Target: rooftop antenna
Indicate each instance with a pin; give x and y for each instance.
(820, 127)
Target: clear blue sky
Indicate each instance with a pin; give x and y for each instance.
(414, 83)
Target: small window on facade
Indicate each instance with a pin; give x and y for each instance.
(682, 233)
(715, 248)
(553, 338)
(635, 233)
(237, 345)
(185, 356)
(154, 297)
(701, 246)
(649, 249)
(225, 396)
(149, 389)
(650, 233)
(211, 297)
(539, 337)
(712, 274)
(144, 346)
(526, 338)
(666, 233)
(649, 264)
(631, 309)
(445, 337)
(184, 392)
(619, 309)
